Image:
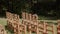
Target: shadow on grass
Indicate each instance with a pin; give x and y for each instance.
(8, 30)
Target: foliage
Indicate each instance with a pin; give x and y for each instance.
(40, 7)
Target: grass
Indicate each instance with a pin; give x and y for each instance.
(4, 23)
(47, 18)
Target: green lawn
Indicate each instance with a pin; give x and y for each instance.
(4, 23)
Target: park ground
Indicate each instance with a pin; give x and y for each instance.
(3, 21)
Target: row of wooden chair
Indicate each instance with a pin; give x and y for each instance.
(29, 23)
(32, 22)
